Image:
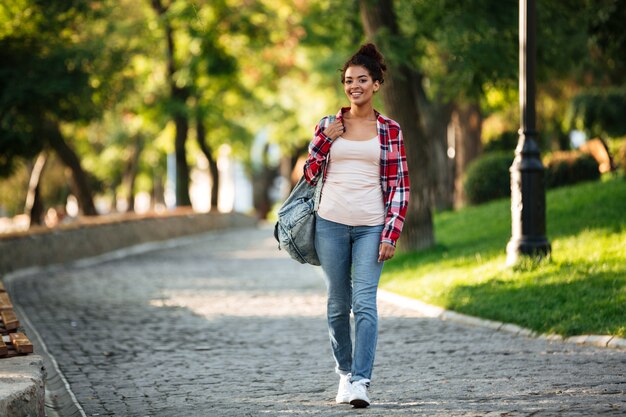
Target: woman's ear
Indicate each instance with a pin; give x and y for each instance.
(376, 86)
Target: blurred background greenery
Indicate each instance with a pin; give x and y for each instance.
(111, 106)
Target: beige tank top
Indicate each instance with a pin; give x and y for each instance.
(352, 194)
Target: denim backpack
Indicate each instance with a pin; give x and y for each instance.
(295, 229)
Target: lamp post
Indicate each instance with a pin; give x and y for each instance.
(528, 197)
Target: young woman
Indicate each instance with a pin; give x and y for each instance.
(360, 157)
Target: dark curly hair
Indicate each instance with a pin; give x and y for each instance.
(367, 56)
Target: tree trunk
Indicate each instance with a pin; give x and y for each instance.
(34, 207)
(179, 98)
(261, 184)
(402, 105)
(206, 150)
(288, 173)
(182, 169)
(437, 120)
(130, 174)
(80, 181)
(467, 124)
(157, 191)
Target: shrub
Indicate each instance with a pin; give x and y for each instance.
(506, 141)
(566, 168)
(488, 177)
(598, 112)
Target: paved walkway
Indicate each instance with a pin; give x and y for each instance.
(228, 326)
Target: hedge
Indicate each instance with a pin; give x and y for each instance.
(570, 167)
(598, 112)
(488, 177)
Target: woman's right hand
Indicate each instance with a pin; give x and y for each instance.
(334, 130)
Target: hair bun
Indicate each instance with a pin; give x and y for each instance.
(370, 50)
(369, 57)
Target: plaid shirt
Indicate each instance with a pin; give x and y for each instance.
(394, 173)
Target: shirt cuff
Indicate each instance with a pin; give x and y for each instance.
(391, 242)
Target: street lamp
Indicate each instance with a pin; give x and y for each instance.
(528, 197)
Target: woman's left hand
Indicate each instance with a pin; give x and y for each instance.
(385, 252)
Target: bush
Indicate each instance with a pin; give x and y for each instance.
(488, 177)
(506, 141)
(598, 112)
(566, 168)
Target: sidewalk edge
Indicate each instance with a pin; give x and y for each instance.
(61, 391)
(22, 386)
(428, 310)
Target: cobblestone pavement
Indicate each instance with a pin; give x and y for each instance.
(228, 326)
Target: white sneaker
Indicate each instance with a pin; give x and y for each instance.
(344, 391)
(359, 398)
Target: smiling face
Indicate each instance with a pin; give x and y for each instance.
(358, 85)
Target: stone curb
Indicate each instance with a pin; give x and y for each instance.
(72, 243)
(428, 310)
(22, 386)
(58, 398)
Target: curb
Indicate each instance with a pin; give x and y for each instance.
(75, 242)
(58, 397)
(22, 386)
(428, 310)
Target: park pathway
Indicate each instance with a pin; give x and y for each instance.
(225, 325)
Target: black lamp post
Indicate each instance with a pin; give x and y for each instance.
(528, 197)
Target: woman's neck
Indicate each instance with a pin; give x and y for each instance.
(362, 112)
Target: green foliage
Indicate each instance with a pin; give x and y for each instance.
(607, 40)
(488, 177)
(459, 46)
(464, 47)
(479, 39)
(598, 112)
(35, 79)
(562, 37)
(313, 87)
(54, 190)
(268, 65)
(578, 45)
(580, 290)
(55, 63)
(13, 191)
(506, 141)
(567, 168)
(621, 157)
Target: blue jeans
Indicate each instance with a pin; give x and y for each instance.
(349, 258)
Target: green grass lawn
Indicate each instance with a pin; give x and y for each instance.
(581, 289)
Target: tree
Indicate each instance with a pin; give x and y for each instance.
(607, 40)
(42, 83)
(57, 69)
(34, 207)
(400, 98)
(179, 94)
(212, 50)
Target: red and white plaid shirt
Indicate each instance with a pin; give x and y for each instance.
(394, 173)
